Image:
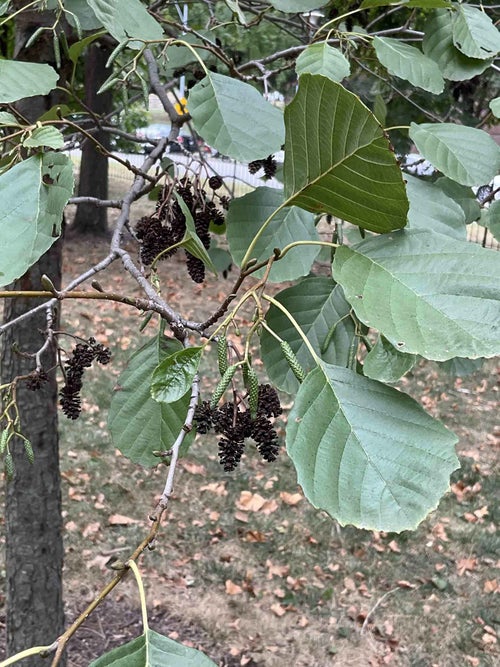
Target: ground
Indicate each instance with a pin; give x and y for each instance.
(244, 568)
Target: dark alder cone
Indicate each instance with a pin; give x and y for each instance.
(269, 402)
(195, 267)
(36, 379)
(230, 453)
(224, 202)
(203, 416)
(82, 357)
(215, 182)
(70, 402)
(270, 166)
(254, 166)
(266, 438)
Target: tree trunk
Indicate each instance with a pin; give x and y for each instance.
(34, 547)
(33, 522)
(90, 219)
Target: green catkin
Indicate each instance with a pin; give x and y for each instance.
(222, 354)
(252, 385)
(293, 362)
(29, 451)
(224, 383)
(4, 439)
(9, 465)
(57, 49)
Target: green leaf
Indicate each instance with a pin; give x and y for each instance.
(438, 45)
(137, 423)
(245, 218)
(76, 49)
(34, 194)
(321, 58)
(126, 20)
(84, 13)
(366, 453)
(425, 292)
(153, 650)
(236, 10)
(173, 376)
(386, 364)
(424, 4)
(474, 33)
(7, 118)
(44, 136)
(493, 219)
(409, 63)
(462, 195)
(191, 241)
(224, 113)
(458, 367)
(464, 154)
(495, 107)
(19, 80)
(432, 209)
(338, 160)
(297, 6)
(221, 259)
(321, 311)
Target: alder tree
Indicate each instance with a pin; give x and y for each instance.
(384, 132)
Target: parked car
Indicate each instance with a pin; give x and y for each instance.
(184, 142)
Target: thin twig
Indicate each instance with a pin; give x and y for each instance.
(374, 608)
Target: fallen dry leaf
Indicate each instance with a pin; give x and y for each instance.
(121, 520)
(276, 570)
(291, 498)
(250, 502)
(466, 565)
(194, 468)
(491, 586)
(219, 488)
(232, 588)
(254, 536)
(278, 609)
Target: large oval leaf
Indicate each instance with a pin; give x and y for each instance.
(173, 376)
(245, 218)
(321, 58)
(126, 20)
(438, 45)
(432, 209)
(409, 63)
(427, 293)
(474, 33)
(34, 194)
(138, 424)
(338, 160)
(321, 311)
(464, 154)
(224, 112)
(20, 79)
(152, 650)
(366, 453)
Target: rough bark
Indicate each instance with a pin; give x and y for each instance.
(93, 181)
(33, 522)
(34, 548)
